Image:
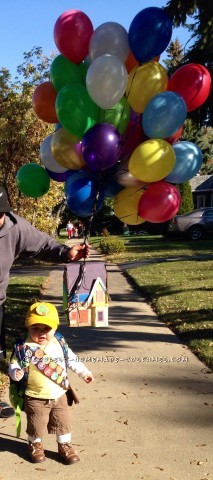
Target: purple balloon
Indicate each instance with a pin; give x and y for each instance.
(59, 177)
(101, 147)
(135, 117)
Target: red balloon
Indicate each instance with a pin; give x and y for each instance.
(72, 33)
(43, 101)
(193, 82)
(132, 137)
(160, 202)
(175, 137)
(131, 62)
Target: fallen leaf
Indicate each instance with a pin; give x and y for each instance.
(120, 440)
(126, 422)
(40, 469)
(201, 445)
(160, 468)
(199, 463)
(136, 455)
(103, 454)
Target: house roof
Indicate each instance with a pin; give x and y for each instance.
(96, 282)
(201, 182)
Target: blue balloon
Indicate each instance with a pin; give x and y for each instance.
(164, 115)
(112, 188)
(188, 162)
(81, 190)
(149, 33)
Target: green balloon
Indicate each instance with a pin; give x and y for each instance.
(33, 180)
(118, 115)
(63, 72)
(76, 111)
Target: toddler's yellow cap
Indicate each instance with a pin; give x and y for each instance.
(42, 312)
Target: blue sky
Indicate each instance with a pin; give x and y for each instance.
(28, 23)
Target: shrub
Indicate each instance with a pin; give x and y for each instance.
(110, 245)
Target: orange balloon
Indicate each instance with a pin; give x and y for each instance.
(43, 101)
(131, 62)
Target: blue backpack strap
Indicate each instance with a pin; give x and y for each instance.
(63, 344)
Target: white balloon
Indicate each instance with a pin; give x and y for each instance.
(47, 157)
(111, 38)
(106, 80)
(125, 178)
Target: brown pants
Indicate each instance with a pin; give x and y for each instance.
(47, 415)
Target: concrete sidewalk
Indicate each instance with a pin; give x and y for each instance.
(148, 415)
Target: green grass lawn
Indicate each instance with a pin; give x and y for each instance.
(180, 292)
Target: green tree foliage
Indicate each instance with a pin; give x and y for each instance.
(187, 204)
(204, 140)
(197, 17)
(21, 134)
(175, 55)
(105, 218)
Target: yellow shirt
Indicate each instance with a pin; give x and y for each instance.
(38, 384)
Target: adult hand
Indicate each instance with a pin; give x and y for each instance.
(77, 252)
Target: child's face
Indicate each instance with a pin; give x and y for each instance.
(41, 333)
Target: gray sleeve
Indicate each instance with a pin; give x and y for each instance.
(39, 244)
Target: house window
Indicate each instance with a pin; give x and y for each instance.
(100, 316)
(201, 201)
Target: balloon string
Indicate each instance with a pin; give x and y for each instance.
(132, 194)
(88, 223)
(128, 93)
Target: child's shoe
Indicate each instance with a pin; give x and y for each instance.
(67, 454)
(36, 452)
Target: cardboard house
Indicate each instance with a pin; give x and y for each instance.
(85, 296)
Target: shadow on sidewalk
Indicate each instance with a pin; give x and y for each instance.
(18, 446)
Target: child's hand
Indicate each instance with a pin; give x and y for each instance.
(19, 374)
(89, 378)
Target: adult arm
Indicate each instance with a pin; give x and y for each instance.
(44, 247)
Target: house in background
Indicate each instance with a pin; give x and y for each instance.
(202, 190)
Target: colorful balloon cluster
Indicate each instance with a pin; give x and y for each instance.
(118, 118)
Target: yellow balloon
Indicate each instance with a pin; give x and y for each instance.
(66, 150)
(126, 205)
(144, 83)
(152, 160)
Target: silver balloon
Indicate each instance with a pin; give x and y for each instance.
(106, 80)
(125, 178)
(111, 38)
